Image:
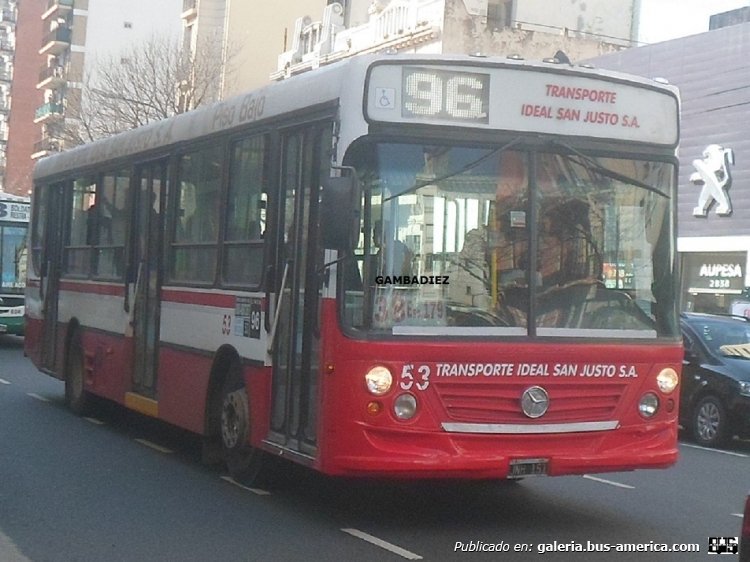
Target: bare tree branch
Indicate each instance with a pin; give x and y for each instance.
(146, 83)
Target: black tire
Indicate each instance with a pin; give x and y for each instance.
(244, 462)
(709, 422)
(77, 398)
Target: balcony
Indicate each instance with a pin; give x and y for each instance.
(56, 41)
(48, 112)
(7, 46)
(45, 147)
(189, 10)
(57, 8)
(51, 77)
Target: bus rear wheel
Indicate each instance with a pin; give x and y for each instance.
(77, 397)
(243, 461)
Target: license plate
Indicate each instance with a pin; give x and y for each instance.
(527, 467)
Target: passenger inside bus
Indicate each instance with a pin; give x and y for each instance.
(393, 256)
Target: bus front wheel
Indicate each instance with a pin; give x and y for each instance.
(77, 397)
(243, 461)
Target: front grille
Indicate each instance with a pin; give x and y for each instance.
(501, 403)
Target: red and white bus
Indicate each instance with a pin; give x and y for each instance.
(393, 266)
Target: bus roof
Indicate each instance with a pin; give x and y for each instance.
(329, 84)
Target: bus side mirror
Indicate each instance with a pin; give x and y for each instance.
(340, 212)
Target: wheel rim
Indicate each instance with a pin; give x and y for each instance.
(708, 421)
(234, 419)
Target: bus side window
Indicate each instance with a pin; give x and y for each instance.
(193, 246)
(108, 230)
(246, 213)
(81, 227)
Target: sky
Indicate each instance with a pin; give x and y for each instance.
(662, 20)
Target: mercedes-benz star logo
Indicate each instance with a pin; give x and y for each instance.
(534, 401)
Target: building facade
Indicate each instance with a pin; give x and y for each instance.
(710, 69)
(23, 133)
(524, 28)
(251, 35)
(78, 36)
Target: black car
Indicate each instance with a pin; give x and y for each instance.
(715, 387)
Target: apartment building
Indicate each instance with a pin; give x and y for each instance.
(22, 131)
(78, 36)
(251, 35)
(7, 48)
(521, 28)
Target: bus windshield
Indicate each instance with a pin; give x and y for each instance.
(14, 255)
(463, 240)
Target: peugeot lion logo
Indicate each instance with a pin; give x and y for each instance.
(534, 401)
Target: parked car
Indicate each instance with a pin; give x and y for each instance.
(745, 533)
(715, 387)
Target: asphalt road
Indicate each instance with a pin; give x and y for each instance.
(120, 487)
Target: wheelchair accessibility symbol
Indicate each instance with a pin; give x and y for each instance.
(385, 98)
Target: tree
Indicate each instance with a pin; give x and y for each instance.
(148, 82)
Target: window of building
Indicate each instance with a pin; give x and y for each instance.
(499, 14)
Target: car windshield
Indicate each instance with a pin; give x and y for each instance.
(450, 243)
(725, 337)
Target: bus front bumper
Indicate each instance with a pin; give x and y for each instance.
(399, 454)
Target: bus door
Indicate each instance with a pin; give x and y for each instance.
(151, 180)
(298, 260)
(50, 218)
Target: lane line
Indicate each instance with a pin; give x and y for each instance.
(610, 482)
(154, 446)
(37, 397)
(732, 453)
(383, 544)
(256, 491)
(94, 421)
(738, 515)
(3, 381)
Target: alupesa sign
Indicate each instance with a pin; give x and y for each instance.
(715, 272)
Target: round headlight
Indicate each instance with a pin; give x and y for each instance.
(378, 380)
(667, 380)
(648, 405)
(405, 407)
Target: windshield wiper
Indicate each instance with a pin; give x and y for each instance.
(592, 165)
(466, 168)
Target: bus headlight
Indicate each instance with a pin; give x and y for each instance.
(405, 407)
(378, 380)
(667, 380)
(648, 405)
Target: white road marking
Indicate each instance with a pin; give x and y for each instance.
(94, 421)
(154, 446)
(610, 482)
(738, 515)
(36, 396)
(732, 453)
(256, 491)
(383, 544)
(3, 381)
